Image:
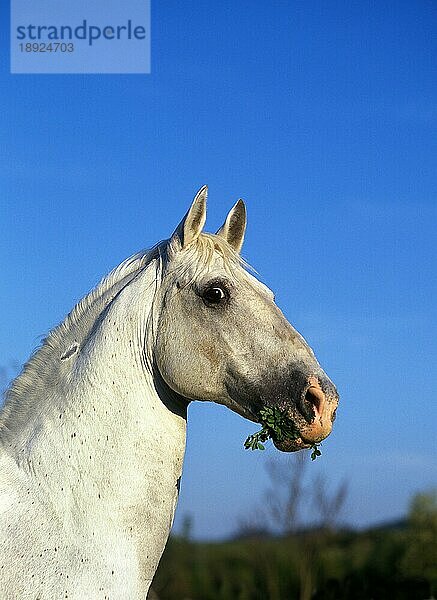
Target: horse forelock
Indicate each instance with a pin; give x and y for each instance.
(201, 256)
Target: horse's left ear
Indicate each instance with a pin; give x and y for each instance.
(192, 224)
(235, 225)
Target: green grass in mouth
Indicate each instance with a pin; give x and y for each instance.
(277, 426)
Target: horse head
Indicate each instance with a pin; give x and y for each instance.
(219, 335)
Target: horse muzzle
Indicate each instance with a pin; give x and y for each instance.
(313, 413)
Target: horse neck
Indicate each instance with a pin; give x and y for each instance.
(102, 433)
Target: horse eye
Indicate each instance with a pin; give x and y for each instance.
(213, 295)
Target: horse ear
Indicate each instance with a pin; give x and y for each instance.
(192, 224)
(235, 225)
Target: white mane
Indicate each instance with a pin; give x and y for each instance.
(65, 336)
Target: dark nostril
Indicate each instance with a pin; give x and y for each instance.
(312, 400)
(316, 398)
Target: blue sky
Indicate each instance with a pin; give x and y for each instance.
(323, 117)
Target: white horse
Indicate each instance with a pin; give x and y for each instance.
(92, 434)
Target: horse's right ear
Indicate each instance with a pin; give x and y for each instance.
(192, 224)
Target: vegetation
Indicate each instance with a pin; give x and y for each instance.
(420, 557)
(277, 426)
(277, 554)
(347, 566)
